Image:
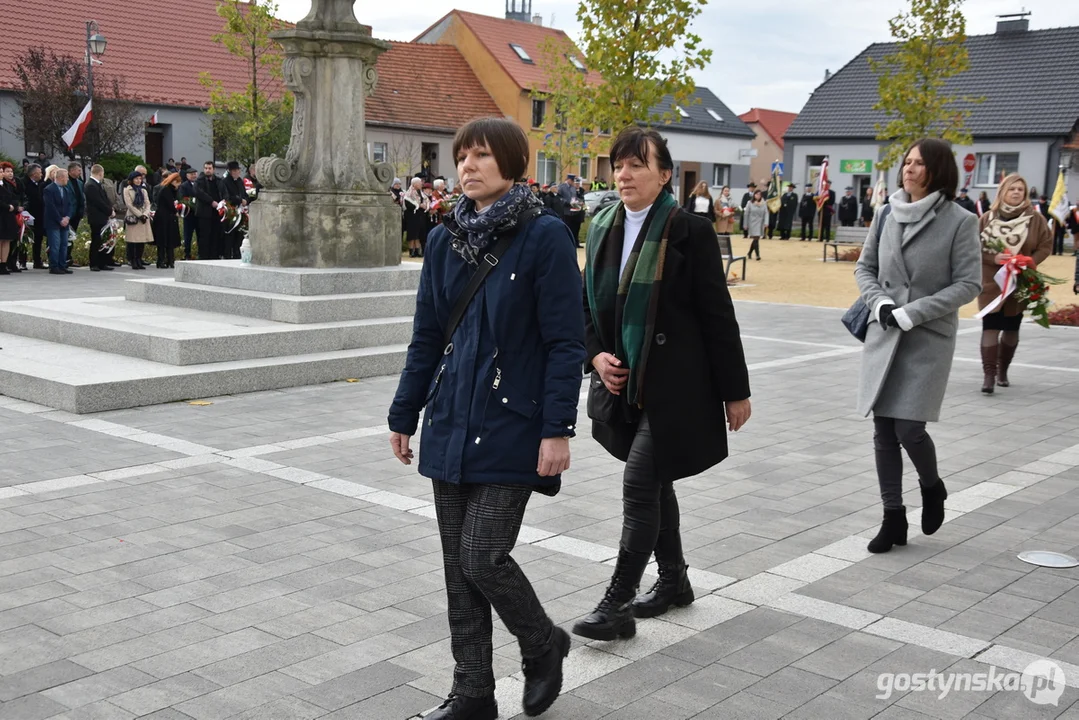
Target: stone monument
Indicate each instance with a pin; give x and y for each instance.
(325, 204)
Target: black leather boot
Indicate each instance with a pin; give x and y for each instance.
(672, 588)
(933, 498)
(459, 707)
(543, 675)
(893, 531)
(1007, 352)
(989, 368)
(613, 617)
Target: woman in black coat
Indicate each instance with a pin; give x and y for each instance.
(166, 229)
(666, 360)
(9, 208)
(700, 203)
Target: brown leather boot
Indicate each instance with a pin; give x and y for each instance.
(989, 368)
(1007, 352)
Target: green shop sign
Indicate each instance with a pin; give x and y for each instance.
(856, 167)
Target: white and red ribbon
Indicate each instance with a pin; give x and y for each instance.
(1007, 279)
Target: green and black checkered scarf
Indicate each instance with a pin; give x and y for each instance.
(628, 302)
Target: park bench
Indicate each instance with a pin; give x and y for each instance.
(847, 237)
(729, 257)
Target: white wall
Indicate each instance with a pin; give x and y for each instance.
(403, 148)
(1033, 164)
(10, 126)
(798, 172)
(187, 133)
(708, 150)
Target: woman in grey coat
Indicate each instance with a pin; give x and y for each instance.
(756, 220)
(926, 266)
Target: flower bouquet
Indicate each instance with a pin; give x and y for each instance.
(726, 212)
(249, 188)
(231, 216)
(24, 220)
(443, 205)
(184, 207)
(113, 231)
(1018, 276)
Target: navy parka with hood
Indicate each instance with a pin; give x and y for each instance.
(513, 375)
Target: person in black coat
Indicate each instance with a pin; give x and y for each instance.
(166, 229)
(807, 211)
(191, 223)
(848, 208)
(662, 404)
(788, 207)
(867, 207)
(237, 197)
(966, 203)
(33, 187)
(826, 211)
(99, 211)
(747, 196)
(210, 192)
(9, 210)
(700, 203)
(553, 201)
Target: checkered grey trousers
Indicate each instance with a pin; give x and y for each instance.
(478, 525)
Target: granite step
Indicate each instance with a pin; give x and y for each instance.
(81, 380)
(299, 281)
(295, 309)
(181, 336)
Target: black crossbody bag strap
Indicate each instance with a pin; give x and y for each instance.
(487, 264)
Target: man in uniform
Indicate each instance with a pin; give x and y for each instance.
(965, 202)
(191, 223)
(788, 206)
(807, 211)
(826, 211)
(848, 208)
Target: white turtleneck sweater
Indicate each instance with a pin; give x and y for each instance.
(634, 223)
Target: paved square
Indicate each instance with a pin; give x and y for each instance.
(264, 556)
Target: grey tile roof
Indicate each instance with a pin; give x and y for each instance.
(700, 120)
(1028, 79)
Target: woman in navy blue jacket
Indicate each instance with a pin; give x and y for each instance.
(501, 405)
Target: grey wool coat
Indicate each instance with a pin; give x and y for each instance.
(930, 269)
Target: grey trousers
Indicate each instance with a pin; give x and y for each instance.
(888, 435)
(478, 526)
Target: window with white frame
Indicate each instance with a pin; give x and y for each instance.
(582, 169)
(575, 62)
(546, 168)
(715, 115)
(379, 152)
(721, 175)
(993, 167)
(681, 111)
(521, 53)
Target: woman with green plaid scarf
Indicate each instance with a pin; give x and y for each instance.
(668, 372)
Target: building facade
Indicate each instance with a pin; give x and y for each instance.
(769, 127)
(1027, 122)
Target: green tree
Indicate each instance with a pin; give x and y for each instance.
(931, 48)
(644, 51)
(570, 123)
(256, 121)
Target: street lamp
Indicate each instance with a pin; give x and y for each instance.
(95, 45)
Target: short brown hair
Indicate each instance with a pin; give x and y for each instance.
(6, 165)
(940, 169)
(504, 138)
(634, 141)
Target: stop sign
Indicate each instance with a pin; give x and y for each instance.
(968, 163)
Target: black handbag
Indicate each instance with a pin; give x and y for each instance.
(131, 220)
(602, 404)
(856, 319)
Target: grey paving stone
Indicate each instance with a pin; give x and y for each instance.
(40, 678)
(628, 684)
(356, 686)
(746, 706)
(163, 694)
(234, 699)
(791, 687)
(847, 655)
(401, 702)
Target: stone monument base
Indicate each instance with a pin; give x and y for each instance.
(325, 229)
(215, 328)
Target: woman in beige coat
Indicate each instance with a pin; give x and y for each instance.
(1014, 223)
(137, 230)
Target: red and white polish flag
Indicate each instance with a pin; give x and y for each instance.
(153, 118)
(74, 134)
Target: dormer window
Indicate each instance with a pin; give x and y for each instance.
(521, 53)
(715, 115)
(576, 63)
(681, 111)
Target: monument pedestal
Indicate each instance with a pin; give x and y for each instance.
(325, 229)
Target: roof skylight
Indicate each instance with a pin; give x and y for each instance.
(576, 62)
(681, 111)
(715, 115)
(521, 53)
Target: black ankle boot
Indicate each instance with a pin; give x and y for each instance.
(933, 498)
(543, 675)
(672, 588)
(459, 707)
(613, 617)
(893, 531)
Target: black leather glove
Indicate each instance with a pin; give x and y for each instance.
(887, 320)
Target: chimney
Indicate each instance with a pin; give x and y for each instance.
(1014, 23)
(827, 75)
(537, 19)
(519, 10)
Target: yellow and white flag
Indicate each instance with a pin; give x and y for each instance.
(1059, 205)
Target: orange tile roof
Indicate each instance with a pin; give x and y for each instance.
(496, 34)
(158, 48)
(774, 122)
(427, 86)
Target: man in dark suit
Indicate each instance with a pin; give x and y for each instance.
(746, 197)
(33, 186)
(237, 197)
(848, 208)
(191, 223)
(807, 211)
(965, 202)
(826, 212)
(788, 207)
(98, 212)
(76, 191)
(210, 192)
(58, 209)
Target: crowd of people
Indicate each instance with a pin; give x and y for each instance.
(43, 207)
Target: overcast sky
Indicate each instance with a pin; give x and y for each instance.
(767, 53)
